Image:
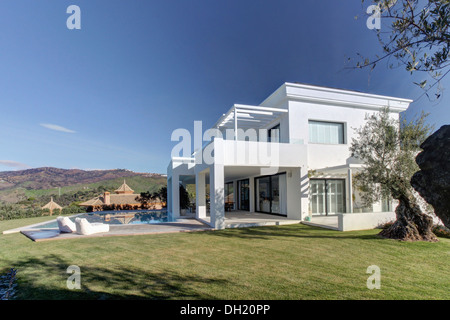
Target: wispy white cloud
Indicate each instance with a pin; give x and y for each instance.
(14, 164)
(56, 127)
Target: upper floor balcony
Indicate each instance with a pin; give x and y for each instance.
(250, 123)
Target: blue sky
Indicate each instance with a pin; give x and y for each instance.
(109, 95)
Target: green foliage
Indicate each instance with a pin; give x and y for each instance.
(146, 197)
(72, 209)
(190, 188)
(162, 192)
(14, 211)
(388, 152)
(185, 201)
(441, 231)
(31, 207)
(33, 200)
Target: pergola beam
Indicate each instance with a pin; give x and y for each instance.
(248, 117)
(258, 108)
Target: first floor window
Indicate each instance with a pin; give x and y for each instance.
(327, 196)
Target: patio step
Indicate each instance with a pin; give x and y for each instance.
(309, 223)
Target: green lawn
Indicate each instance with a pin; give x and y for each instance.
(282, 262)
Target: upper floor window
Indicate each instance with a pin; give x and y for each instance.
(326, 132)
(274, 134)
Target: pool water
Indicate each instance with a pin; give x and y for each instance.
(124, 217)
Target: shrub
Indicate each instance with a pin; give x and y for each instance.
(14, 211)
(441, 231)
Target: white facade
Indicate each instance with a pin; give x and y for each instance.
(304, 168)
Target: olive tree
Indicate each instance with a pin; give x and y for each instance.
(388, 149)
(415, 35)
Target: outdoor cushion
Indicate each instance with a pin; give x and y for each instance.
(85, 228)
(65, 224)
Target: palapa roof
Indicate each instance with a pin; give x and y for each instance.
(52, 205)
(93, 202)
(123, 195)
(124, 188)
(113, 199)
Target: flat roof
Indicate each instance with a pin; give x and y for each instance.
(335, 90)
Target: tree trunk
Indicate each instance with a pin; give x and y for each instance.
(411, 223)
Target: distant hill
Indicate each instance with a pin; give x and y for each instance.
(19, 185)
(48, 177)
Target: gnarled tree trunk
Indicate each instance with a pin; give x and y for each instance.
(411, 224)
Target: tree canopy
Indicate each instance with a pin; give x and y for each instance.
(415, 33)
(388, 149)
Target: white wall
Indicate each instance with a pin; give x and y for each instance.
(326, 155)
(363, 221)
(333, 105)
(248, 153)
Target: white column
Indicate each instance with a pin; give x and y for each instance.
(216, 185)
(304, 191)
(200, 195)
(235, 125)
(217, 196)
(350, 191)
(169, 195)
(175, 196)
(295, 205)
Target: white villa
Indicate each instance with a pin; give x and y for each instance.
(297, 167)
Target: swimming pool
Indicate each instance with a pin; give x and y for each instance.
(124, 217)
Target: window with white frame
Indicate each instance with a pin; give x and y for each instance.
(274, 134)
(326, 132)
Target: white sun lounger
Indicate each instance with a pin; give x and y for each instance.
(85, 228)
(66, 225)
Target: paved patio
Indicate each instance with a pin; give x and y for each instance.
(234, 219)
(328, 222)
(182, 225)
(243, 219)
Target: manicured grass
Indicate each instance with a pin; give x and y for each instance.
(282, 262)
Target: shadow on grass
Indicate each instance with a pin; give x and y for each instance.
(297, 231)
(46, 278)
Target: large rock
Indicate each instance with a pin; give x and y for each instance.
(432, 182)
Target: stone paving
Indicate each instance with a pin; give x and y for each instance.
(182, 225)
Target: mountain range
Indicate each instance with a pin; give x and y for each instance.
(15, 185)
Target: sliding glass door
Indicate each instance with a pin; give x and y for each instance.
(271, 194)
(244, 194)
(317, 196)
(327, 196)
(229, 196)
(263, 194)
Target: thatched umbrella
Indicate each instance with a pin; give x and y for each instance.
(52, 206)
